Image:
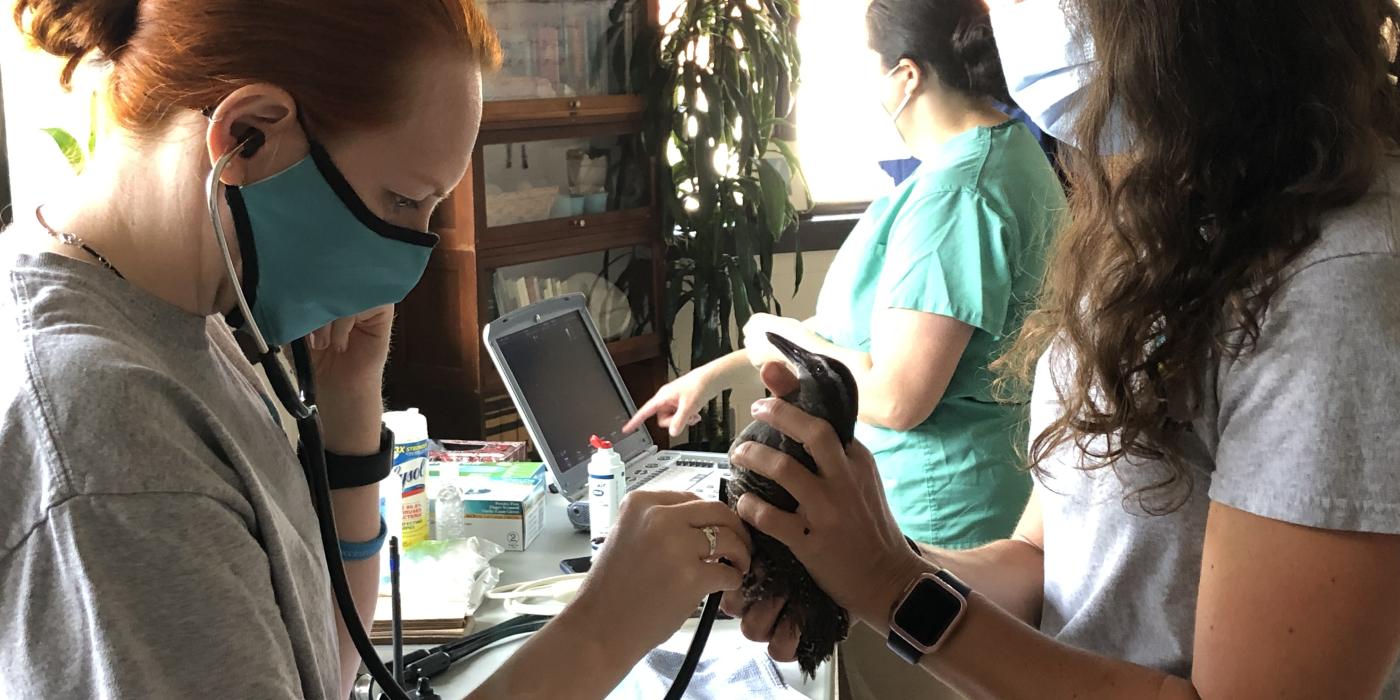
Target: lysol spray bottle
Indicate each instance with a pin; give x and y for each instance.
(410, 477)
(607, 484)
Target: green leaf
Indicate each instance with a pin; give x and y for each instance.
(775, 199)
(69, 146)
(795, 166)
(741, 298)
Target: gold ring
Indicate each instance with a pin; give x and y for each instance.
(711, 535)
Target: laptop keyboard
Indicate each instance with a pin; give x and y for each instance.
(667, 473)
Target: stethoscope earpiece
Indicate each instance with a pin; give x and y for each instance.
(252, 141)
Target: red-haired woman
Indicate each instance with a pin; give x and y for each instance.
(157, 537)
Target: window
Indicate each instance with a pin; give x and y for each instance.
(32, 102)
(842, 132)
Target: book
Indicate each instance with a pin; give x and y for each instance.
(430, 622)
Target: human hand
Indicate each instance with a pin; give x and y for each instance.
(677, 405)
(843, 531)
(760, 622)
(760, 351)
(657, 565)
(348, 357)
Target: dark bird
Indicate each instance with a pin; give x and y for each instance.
(825, 390)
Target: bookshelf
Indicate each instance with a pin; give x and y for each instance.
(558, 199)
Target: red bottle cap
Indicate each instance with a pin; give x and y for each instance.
(599, 443)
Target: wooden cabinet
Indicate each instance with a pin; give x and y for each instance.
(560, 197)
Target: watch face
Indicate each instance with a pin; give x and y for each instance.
(927, 612)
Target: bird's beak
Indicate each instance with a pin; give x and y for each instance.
(795, 354)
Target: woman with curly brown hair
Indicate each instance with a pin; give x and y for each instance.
(1217, 382)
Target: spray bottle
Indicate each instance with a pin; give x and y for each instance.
(607, 484)
(403, 498)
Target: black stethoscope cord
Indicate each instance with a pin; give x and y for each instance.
(301, 405)
(313, 461)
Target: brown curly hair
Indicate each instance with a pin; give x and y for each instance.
(1249, 120)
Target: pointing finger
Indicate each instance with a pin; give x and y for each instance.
(647, 410)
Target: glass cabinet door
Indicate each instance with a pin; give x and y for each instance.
(616, 283)
(563, 48)
(563, 178)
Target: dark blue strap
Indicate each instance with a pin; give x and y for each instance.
(360, 551)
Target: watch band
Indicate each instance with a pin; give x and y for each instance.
(954, 582)
(350, 472)
(906, 649)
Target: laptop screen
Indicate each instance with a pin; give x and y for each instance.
(565, 382)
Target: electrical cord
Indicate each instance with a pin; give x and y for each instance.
(425, 664)
(428, 663)
(546, 596)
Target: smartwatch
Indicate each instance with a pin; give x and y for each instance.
(926, 614)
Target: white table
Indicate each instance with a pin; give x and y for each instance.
(559, 541)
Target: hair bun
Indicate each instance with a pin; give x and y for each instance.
(975, 48)
(71, 29)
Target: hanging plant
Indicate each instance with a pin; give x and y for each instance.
(728, 70)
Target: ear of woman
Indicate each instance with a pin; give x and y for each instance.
(259, 108)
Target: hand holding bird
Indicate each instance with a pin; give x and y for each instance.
(843, 534)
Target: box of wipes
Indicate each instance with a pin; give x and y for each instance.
(500, 502)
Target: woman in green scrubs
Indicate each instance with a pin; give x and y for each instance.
(930, 286)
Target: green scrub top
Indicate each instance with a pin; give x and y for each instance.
(964, 237)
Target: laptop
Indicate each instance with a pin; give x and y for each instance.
(566, 388)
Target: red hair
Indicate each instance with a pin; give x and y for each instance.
(344, 61)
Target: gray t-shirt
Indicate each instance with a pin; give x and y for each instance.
(157, 538)
(1304, 429)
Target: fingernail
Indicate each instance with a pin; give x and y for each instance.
(757, 407)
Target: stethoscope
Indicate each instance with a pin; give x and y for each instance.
(301, 405)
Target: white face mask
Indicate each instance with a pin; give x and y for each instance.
(1047, 67)
(896, 149)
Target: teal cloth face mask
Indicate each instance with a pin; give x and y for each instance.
(313, 252)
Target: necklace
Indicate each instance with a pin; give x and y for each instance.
(73, 240)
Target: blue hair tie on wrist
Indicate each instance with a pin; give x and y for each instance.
(360, 551)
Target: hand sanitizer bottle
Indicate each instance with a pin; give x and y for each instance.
(607, 484)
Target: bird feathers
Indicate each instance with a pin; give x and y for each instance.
(826, 390)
